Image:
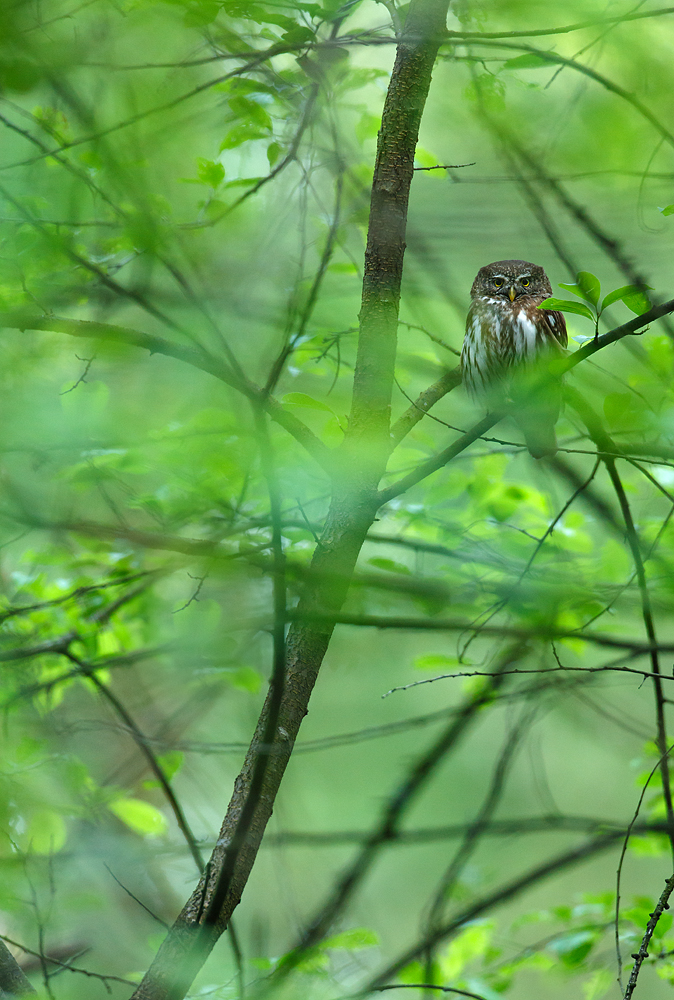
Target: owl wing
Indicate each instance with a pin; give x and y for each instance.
(554, 325)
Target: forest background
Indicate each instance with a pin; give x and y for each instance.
(195, 433)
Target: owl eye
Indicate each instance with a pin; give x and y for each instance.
(526, 282)
(498, 282)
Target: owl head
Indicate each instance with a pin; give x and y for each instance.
(509, 279)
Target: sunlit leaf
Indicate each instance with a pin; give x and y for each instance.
(140, 816)
(302, 399)
(352, 940)
(531, 60)
(568, 306)
(586, 286)
(633, 296)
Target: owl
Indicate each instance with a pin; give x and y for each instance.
(504, 329)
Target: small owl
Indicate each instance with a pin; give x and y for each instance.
(503, 329)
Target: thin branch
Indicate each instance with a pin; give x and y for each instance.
(422, 404)
(391, 816)
(487, 903)
(196, 357)
(456, 625)
(642, 954)
(87, 670)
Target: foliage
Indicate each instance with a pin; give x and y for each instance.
(185, 191)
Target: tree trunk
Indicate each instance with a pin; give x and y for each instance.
(359, 467)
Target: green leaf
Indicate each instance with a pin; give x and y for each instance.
(425, 159)
(574, 948)
(353, 940)
(246, 679)
(45, 834)
(567, 305)
(171, 762)
(667, 210)
(390, 565)
(243, 133)
(599, 983)
(436, 662)
(531, 60)
(210, 172)
(301, 399)
(251, 112)
(367, 126)
(273, 153)
(633, 294)
(298, 34)
(470, 944)
(140, 816)
(587, 286)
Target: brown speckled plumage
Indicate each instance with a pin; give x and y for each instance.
(504, 328)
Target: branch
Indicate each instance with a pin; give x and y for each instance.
(661, 906)
(456, 625)
(507, 892)
(554, 58)
(556, 368)
(391, 816)
(632, 326)
(477, 35)
(13, 983)
(432, 465)
(195, 357)
(544, 670)
(433, 835)
(423, 403)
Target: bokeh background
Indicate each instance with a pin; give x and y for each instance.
(135, 191)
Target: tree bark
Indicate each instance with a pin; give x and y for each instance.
(13, 982)
(355, 500)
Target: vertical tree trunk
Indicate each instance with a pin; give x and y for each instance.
(360, 464)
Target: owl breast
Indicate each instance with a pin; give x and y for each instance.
(500, 334)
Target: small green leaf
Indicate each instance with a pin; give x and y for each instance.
(436, 662)
(573, 948)
(425, 159)
(589, 285)
(242, 133)
(634, 293)
(250, 112)
(586, 287)
(273, 153)
(301, 399)
(567, 305)
(210, 172)
(246, 679)
(667, 210)
(390, 565)
(531, 60)
(598, 984)
(298, 34)
(353, 940)
(46, 832)
(140, 816)
(367, 127)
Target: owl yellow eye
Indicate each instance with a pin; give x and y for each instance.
(498, 282)
(526, 282)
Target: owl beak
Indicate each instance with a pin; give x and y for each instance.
(512, 293)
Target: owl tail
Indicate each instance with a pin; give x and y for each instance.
(539, 433)
(537, 407)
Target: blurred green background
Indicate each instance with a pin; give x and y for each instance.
(135, 191)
